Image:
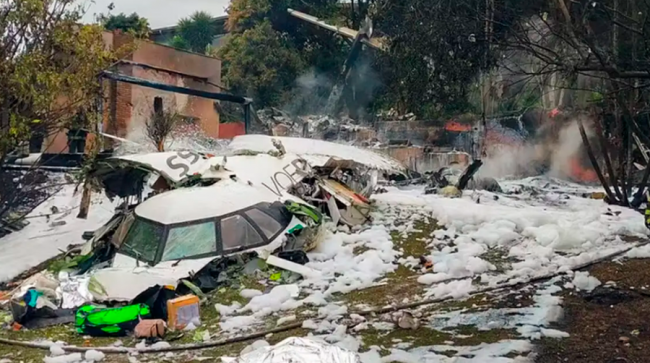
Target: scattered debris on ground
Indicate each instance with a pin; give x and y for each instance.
(212, 256)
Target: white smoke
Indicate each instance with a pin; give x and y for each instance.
(568, 146)
(522, 160)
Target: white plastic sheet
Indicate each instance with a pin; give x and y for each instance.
(299, 350)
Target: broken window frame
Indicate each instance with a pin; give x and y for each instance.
(129, 251)
(264, 207)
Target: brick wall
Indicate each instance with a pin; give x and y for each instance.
(178, 62)
(128, 107)
(231, 129)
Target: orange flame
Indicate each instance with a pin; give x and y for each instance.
(457, 127)
(580, 173)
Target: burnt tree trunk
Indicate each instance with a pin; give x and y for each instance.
(594, 161)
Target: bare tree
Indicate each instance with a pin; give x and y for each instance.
(160, 125)
(587, 57)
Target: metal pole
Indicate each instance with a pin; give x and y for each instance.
(247, 117)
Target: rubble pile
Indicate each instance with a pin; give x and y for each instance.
(393, 115)
(203, 247)
(320, 127)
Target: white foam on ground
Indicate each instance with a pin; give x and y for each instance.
(94, 356)
(583, 281)
(341, 272)
(531, 228)
(639, 252)
(539, 234)
(43, 241)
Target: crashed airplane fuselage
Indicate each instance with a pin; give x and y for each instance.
(176, 234)
(338, 178)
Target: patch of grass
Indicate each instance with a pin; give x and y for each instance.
(420, 337)
(396, 288)
(358, 250)
(401, 274)
(416, 242)
(423, 337)
(401, 283)
(471, 336)
(474, 302)
(30, 355)
(233, 350)
(227, 296)
(65, 333)
(499, 258)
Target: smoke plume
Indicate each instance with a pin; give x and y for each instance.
(552, 152)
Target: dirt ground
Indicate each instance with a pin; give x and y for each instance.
(608, 325)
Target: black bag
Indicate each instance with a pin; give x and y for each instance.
(156, 298)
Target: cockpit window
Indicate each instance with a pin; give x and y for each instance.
(143, 240)
(188, 241)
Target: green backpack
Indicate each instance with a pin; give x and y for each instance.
(98, 321)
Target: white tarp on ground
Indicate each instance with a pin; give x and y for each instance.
(303, 146)
(298, 350)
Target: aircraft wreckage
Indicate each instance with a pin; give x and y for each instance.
(192, 222)
(187, 216)
(338, 179)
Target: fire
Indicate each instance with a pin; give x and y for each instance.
(457, 127)
(580, 173)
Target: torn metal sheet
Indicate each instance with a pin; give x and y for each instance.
(102, 232)
(354, 216)
(125, 175)
(335, 214)
(377, 43)
(124, 284)
(309, 148)
(74, 291)
(357, 209)
(276, 174)
(344, 194)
